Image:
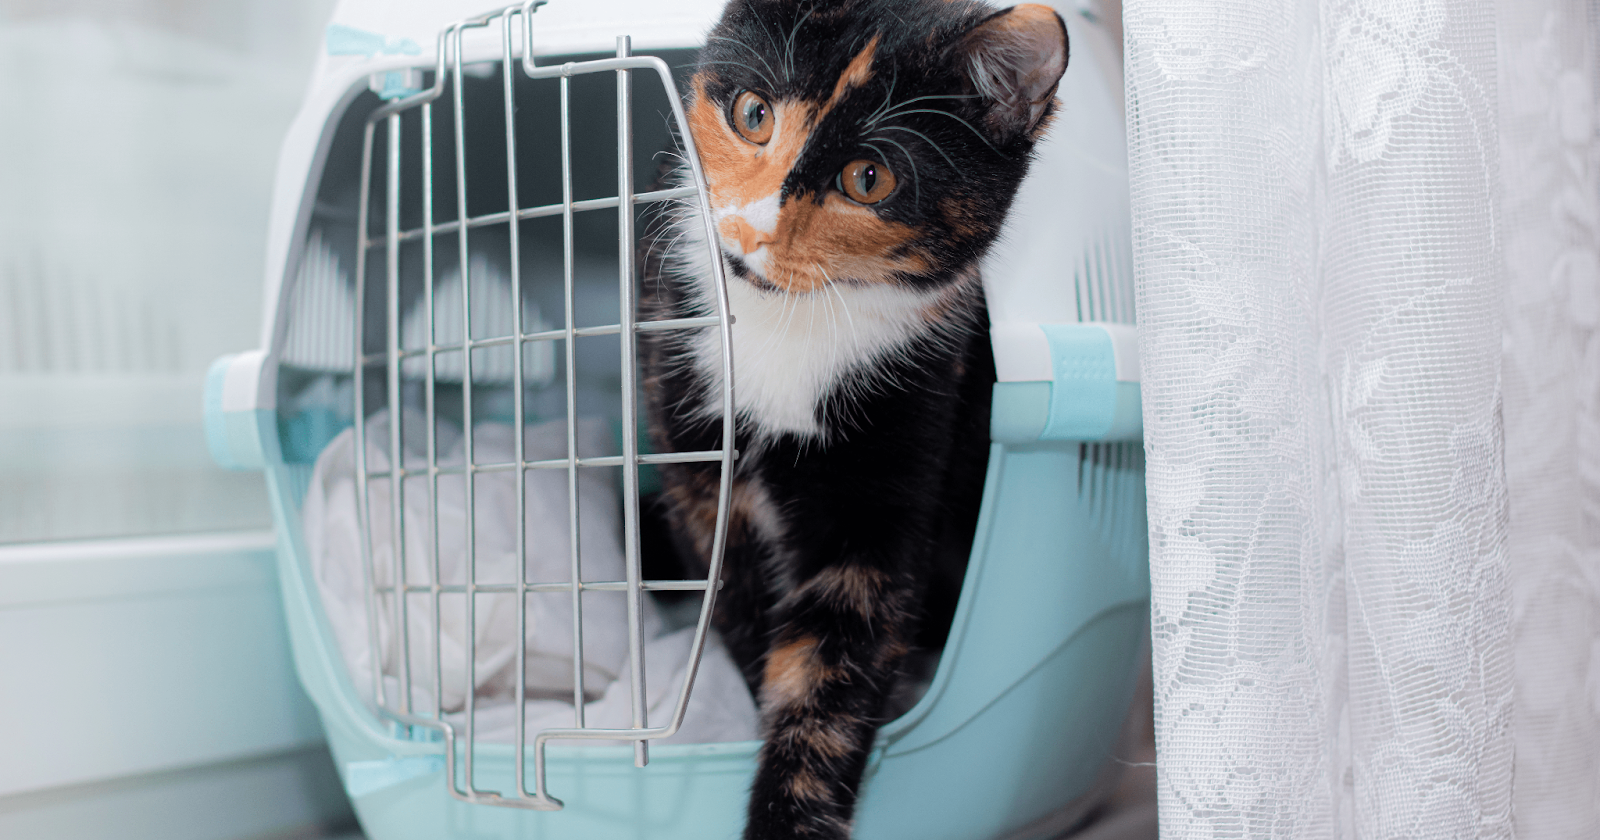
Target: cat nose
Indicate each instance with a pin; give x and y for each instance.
(749, 238)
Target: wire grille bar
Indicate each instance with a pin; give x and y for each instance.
(430, 404)
(373, 359)
(630, 391)
(458, 108)
(697, 457)
(390, 589)
(555, 586)
(518, 423)
(543, 211)
(572, 413)
(392, 322)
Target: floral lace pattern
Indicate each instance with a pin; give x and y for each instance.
(1550, 157)
(1321, 286)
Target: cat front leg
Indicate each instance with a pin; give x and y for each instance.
(840, 637)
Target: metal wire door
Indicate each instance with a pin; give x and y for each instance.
(380, 255)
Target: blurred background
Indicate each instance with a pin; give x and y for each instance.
(140, 144)
(147, 688)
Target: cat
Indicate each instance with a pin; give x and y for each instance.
(861, 156)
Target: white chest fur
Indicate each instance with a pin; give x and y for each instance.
(790, 351)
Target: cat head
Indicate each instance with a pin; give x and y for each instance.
(869, 141)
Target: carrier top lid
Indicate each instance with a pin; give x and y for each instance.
(405, 30)
(1062, 258)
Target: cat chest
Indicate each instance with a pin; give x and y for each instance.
(792, 351)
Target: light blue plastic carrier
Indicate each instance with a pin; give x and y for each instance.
(1014, 736)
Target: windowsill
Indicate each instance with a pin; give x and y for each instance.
(33, 574)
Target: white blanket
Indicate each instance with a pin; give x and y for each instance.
(720, 707)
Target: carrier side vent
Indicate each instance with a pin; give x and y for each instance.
(1111, 483)
(321, 312)
(491, 316)
(1103, 281)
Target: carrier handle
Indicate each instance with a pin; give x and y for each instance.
(233, 417)
(1066, 382)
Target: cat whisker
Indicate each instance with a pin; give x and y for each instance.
(765, 30)
(673, 131)
(929, 141)
(853, 387)
(833, 328)
(833, 319)
(788, 53)
(672, 246)
(790, 304)
(753, 51)
(671, 154)
(945, 113)
(844, 304)
(873, 120)
(811, 317)
(894, 78)
(752, 70)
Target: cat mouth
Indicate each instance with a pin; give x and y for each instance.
(743, 271)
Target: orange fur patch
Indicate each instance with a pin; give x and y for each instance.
(792, 674)
(837, 240)
(853, 587)
(827, 737)
(752, 508)
(693, 495)
(960, 217)
(855, 74)
(1025, 16)
(1044, 124)
(738, 171)
(805, 785)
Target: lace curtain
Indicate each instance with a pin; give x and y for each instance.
(1365, 236)
(1551, 373)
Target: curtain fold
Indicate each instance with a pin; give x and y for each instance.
(1549, 154)
(1321, 288)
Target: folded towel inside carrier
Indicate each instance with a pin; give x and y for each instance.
(432, 528)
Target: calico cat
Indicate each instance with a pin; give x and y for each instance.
(861, 156)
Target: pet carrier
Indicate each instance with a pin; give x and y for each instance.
(450, 286)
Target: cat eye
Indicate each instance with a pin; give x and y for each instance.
(866, 181)
(752, 117)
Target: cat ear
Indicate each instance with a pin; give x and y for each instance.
(1015, 59)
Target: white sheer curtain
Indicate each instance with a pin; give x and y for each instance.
(1365, 237)
(1549, 155)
